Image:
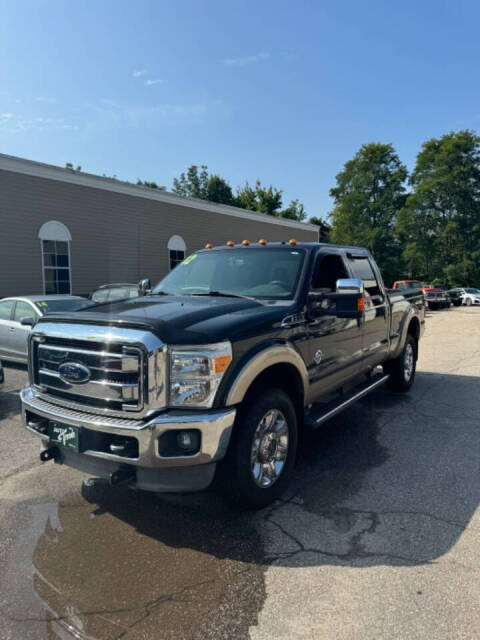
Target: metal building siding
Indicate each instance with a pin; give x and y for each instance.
(115, 237)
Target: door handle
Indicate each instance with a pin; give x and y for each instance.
(11, 328)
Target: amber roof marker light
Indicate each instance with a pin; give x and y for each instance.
(262, 241)
(245, 243)
(230, 243)
(292, 241)
(209, 246)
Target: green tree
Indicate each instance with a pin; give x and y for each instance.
(369, 193)
(440, 223)
(151, 185)
(262, 199)
(294, 211)
(324, 230)
(218, 190)
(193, 184)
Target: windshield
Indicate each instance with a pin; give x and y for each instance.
(69, 304)
(476, 291)
(259, 273)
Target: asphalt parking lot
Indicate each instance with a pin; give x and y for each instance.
(378, 538)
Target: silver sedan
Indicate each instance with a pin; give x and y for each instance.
(17, 315)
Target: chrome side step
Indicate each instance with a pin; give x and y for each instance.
(320, 413)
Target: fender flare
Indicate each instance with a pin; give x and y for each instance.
(277, 354)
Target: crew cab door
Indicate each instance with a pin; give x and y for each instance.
(377, 310)
(335, 344)
(6, 327)
(20, 332)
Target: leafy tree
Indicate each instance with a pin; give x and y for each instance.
(218, 190)
(294, 211)
(324, 230)
(69, 165)
(263, 199)
(369, 193)
(193, 184)
(151, 185)
(198, 183)
(440, 223)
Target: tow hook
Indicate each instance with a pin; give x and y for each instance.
(122, 475)
(49, 454)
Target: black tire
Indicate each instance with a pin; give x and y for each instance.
(235, 476)
(399, 380)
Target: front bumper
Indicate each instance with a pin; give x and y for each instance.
(153, 471)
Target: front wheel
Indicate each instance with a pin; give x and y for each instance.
(468, 302)
(261, 457)
(402, 369)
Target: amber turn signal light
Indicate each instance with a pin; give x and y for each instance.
(221, 363)
(361, 304)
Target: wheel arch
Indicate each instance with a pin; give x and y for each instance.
(277, 366)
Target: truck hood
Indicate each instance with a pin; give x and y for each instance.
(183, 319)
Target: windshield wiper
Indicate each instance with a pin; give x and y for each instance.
(222, 294)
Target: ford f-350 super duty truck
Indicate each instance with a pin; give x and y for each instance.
(217, 370)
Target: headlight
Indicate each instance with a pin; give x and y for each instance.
(196, 373)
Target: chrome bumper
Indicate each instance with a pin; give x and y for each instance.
(215, 428)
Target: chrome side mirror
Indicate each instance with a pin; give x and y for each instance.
(144, 287)
(347, 286)
(28, 321)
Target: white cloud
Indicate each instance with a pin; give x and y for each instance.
(138, 73)
(149, 83)
(16, 123)
(245, 60)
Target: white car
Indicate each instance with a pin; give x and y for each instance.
(470, 296)
(2, 375)
(17, 315)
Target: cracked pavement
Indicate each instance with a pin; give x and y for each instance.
(377, 538)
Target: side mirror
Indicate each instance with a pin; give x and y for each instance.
(28, 321)
(144, 287)
(346, 302)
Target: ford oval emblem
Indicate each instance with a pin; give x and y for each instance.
(74, 372)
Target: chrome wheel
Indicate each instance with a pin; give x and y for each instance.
(408, 362)
(269, 448)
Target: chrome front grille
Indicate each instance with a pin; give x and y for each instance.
(119, 362)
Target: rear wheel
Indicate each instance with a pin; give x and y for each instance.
(261, 457)
(402, 369)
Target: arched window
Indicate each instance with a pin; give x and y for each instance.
(55, 239)
(176, 251)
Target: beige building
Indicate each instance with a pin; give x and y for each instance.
(63, 231)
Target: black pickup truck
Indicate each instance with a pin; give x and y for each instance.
(217, 370)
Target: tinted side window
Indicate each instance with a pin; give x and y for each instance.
(363, 270)
(328, 270)
(6, 309)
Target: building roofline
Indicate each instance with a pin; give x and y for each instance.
(52, 172)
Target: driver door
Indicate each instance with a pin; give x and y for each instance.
(335, 344)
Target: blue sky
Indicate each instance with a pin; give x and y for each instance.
(282, 91)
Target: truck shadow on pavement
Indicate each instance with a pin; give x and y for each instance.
(393, 481)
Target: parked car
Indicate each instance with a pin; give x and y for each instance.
(401, 285)
(435, 298)
(112, 292)
(456, 296)
(19, 314)
(470, 296)
(2, 375)
(218, 369)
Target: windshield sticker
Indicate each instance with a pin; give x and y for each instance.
(189, 259)
(42, 304)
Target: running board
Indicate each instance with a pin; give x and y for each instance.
(320, 413)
